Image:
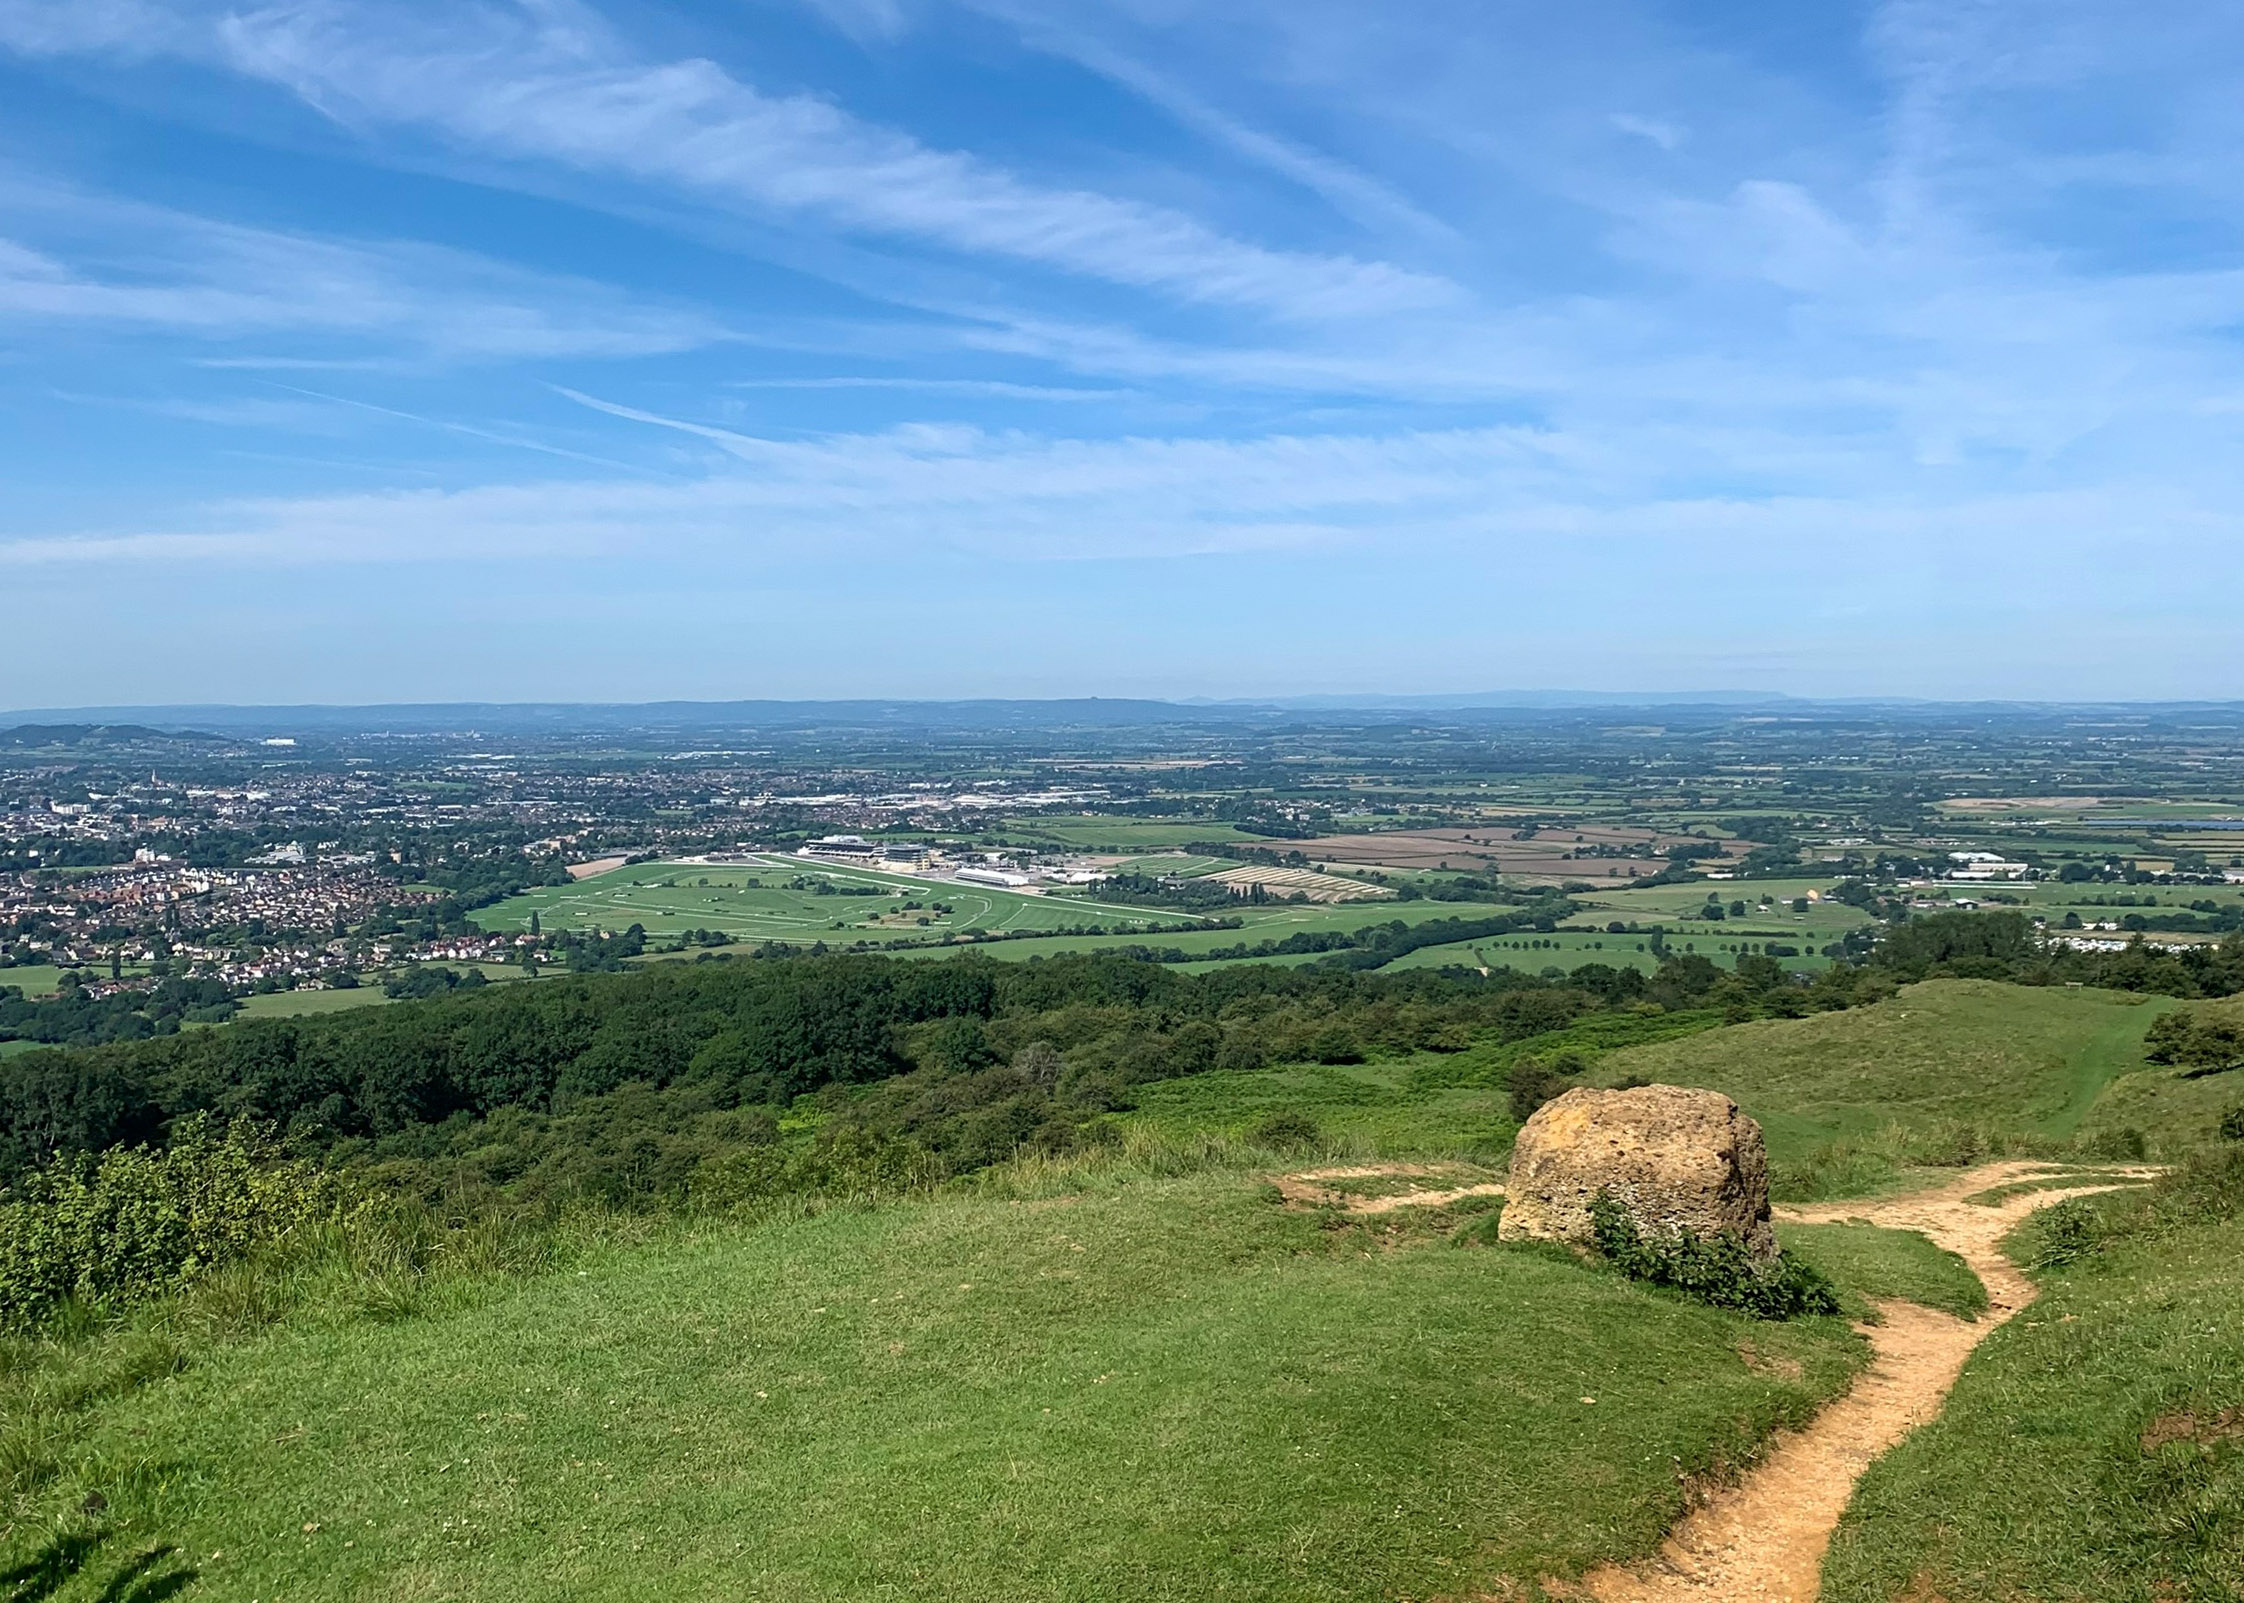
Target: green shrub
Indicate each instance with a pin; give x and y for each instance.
(1286, 1131)
(844, 1162)
(2205, 1189)
(139, 1222)
(2232, 1123)
(2126, 1144)
(2068, 1233)
(1717, 1270)
(1535, 1081)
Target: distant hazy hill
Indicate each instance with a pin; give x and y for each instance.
(43, 737)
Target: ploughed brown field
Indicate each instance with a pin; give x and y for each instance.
(1574, 853)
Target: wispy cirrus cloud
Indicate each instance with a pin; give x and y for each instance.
(1436, 501)
(1076, 37)
(551, 85)
(109, 263)
(1730, 323)
(996, 389)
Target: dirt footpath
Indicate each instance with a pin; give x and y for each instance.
(1314, 1188)
(1763, 1540)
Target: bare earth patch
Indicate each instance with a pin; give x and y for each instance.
(1383, 1187)
(2200, 1429)
(1763, 1540)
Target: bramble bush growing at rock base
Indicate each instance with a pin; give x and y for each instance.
(1716, 1270)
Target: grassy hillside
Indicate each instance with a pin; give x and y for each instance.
(1145, 1389)
(2094, 1448)
(1416, 1105)
(1946, 1071)
(1129, 1372)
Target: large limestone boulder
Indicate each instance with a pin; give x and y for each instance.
(1677, 1158)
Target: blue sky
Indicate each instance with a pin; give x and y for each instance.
(363, 350)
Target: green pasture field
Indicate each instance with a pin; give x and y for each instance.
(298, 1004)
(33, 979)
(669, 899)
(1823, 922)
(1126, 1388)
(1569, 950)
(645, 894)
(2052, 900)
(9, 1049)
(1180, 864)
(1265, 923)
(1257, 923)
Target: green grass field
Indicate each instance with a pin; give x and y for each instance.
(297, 1004)
(1144, 1389)
(1851, 1102)
(1873, 1265)
(1177, 863)
(1366, 1110)
(670, 898)
(1130, 835)
(1944, 1056)
(34, 980)
(1568, 950)
(1822, 923)
(752, 902)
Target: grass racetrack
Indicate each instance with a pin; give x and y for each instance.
(775, 899)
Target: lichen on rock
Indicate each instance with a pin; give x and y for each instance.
(1678, 1159)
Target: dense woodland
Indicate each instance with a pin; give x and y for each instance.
(536, 1089)
(968, 1058)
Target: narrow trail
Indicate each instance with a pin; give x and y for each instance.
(1763, 1540)
(1313, 1188)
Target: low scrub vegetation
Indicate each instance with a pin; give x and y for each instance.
(140, 1222)
(1717, 1270)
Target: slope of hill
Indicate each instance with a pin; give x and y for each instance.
(1947, 1071)
(1142, 1388)
(2095, 1447)
(1136, 1371)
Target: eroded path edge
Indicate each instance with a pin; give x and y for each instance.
(1764, 1539)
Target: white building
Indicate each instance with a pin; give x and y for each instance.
(1985, 865)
